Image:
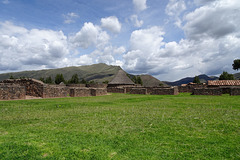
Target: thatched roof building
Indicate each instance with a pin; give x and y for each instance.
(121, 79)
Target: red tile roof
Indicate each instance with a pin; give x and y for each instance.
(224, 83)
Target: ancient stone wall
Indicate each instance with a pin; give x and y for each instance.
(97, 85)
(54, 91)
(116, 90)
(12, 91)
(165, 91)
(235, 91)
(33, 87)
(207, 91)
(76, 85)
(189, 88)
(138, 91)
(98, 91)
(80, 92)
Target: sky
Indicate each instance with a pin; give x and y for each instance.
(169, 39)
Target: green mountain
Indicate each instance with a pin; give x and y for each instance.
(96, 72)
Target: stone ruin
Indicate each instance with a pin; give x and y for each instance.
(20, 88)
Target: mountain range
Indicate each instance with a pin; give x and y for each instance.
(100, 73)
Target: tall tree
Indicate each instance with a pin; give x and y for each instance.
(236, 64)
(74, 79)
(49, 80)
(196, 80)
(226, 76)
(59, 78)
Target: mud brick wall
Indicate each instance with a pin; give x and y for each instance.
(33, 87)
(12, 91)
(116, 90)
(53, 91)
(235, 91)
(98, 91)
(138, 91)
(165, 91)
(207, 91)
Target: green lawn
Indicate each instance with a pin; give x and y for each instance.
(121, 126)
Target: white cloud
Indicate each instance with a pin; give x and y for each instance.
(135, 21)
(140, 5)
(89, 35)
(21, 48)
(213, 20)
(70, 17)
(112, 24)
(174, 9)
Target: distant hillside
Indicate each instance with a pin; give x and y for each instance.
(150, 81)
(203, 79)
(237, 75)
(96, 72)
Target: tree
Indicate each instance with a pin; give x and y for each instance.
(49, 80)
(196, 80)
(236, 64)
(74, 79)
(83, 81)
(59, 78)
(11, 77)
(226, 76)
(139, 80)
(42, 79)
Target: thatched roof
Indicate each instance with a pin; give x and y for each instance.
(121, 78)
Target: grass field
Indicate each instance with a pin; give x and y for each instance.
(121, 126)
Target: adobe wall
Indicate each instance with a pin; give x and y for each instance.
(138, 91)
(207, 91)
(33, 87)
(12, 91)
(165, 91)
(116, 90)
(235, 91)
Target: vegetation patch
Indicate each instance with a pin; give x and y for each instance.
(121, 126)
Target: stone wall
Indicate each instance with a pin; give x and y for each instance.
(235, 91)
(98, 91)
(116, 90)
(54, 91)
(76, 85)
(80, 92)
(138, 91)
(207, 91)
(165, 91)
(189, 88)
(97, 85)
(33, 87)
(12, 91)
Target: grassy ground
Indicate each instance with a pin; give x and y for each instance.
(121, 126)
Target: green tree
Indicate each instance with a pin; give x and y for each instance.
(196, 80)
(74, 79)
(83, 81)
(11, 77)
(59, 78)
(42, 79)
(236, 64)
(49, 80)
(139, 80)
(226, 76)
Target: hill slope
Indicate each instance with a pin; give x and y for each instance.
(203, 79)
(96, 72)
(150, 81)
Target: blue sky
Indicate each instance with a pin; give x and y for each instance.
(169, 39)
